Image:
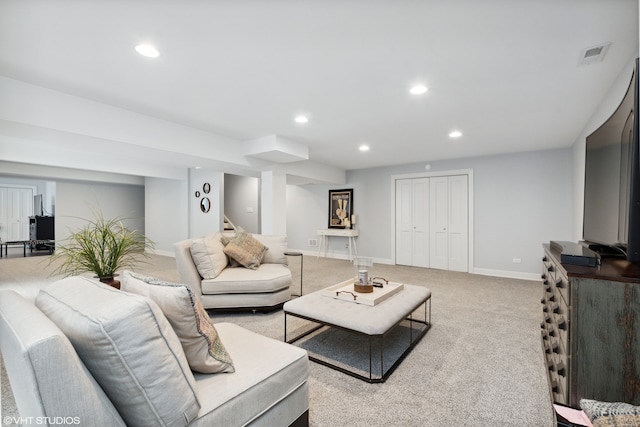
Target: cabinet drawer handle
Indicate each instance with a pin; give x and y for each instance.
(562, 323)
(560, 284)
(550, 268)
(560, 369)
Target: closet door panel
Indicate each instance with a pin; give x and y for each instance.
(420, 220)
(439, 218)
(458, 223)
(404, 226)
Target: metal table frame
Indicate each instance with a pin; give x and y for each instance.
(292, 253)
(6, 245)
(413, 341)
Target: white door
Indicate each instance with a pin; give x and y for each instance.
(404, 223)
(458, 223)
(20, 207)
(449, 238)
(439, 209)
(4, 215)
(412, 222)
(420, 191)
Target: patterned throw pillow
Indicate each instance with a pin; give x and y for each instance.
(200, 341)
(232, 262)
(246, 250)
(611, 414)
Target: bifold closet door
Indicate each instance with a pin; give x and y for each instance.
(449, 219)
(4, 214)
(20, 208)
(412, 222)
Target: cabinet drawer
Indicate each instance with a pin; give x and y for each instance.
(562, 284)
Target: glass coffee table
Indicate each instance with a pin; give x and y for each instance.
(345, 332)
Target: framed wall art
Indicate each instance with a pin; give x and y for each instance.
(340, 208)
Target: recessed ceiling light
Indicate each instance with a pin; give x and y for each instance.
(301, 119)
(147, 50)
(363, 147)
(418, 90)
(455, 134)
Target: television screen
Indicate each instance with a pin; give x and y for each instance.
(37, 205)
(607, 174)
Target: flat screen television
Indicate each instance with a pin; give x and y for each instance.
(612, 182)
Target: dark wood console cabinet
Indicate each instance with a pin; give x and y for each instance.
(591, 330)
(41, 232)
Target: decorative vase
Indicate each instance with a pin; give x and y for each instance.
(362, 281)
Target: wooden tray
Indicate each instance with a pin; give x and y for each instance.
(344, 291)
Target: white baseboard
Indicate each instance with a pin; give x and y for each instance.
(507, 274)
(482, 271)
(163, 253)
(338, 256)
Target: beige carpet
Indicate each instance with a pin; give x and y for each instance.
(481, 364)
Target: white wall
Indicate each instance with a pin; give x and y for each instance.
(167, 213)
(75, 201)
(202, 223)
(521, 201)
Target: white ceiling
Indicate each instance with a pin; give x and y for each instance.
(504, 72)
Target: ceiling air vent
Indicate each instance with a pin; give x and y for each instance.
(593, 54)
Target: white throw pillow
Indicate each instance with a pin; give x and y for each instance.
(200, 340)
(277, 245)
(208, 255)
(128, 346)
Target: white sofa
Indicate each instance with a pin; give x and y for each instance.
(110, 368)
(266, 288)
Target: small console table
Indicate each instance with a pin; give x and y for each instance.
(340, 232)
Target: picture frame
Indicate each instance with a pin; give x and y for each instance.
(340, 208)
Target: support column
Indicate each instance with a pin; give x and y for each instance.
(273, 203)
(206, 206)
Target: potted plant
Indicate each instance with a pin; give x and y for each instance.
(102, 246)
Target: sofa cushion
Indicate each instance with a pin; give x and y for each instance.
(245, 249)
(42, 365)
(266, 278)
(200, 341)
(208, 255)
(128, 346)
(276, 247)
(268, 371)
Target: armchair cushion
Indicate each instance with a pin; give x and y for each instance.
(130, 348)
(208, 255)
(277, 246)
(200, 340)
